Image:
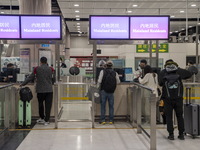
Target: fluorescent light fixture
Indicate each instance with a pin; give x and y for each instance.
(190, 26)
(78, 23)
(78, 26)
(172, 16)
(193, 5)
(77, 18)
(135, 5)
(183, 29)
(176, 31)
(129, 11)
(170, 32)
(79, 35)
(198, 23)
(182, 11)
(2, 12)
(76, 5)
(77, 11)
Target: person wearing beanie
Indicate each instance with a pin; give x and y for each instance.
(172, 95)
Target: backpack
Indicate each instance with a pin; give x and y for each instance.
(109, 82)
(172, 85)
(25, 94)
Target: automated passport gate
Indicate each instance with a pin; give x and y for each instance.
(74, 101)
(142, 104)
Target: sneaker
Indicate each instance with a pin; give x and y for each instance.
(171, 137)
(46, 123)
(181, 137)
(40, 121)
(103, 123)
(110, 122)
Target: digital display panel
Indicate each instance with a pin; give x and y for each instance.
(109, 27)
(9, 27)
(149, 27)
(41, 27)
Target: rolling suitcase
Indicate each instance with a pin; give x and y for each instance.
(191, 116)
(24, 118)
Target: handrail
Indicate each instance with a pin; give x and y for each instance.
(5, 86)
(73, 83)
(140, 85)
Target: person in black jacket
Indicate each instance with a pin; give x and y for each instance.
(172, 94)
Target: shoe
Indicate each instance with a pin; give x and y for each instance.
(46, 123)
(181, 137)
(103, 123)
(110, 122)
(171, 137)
(40, 121)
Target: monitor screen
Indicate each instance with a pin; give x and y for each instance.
(109, 27)
(149, 27)
(9, 27)
(41, 27)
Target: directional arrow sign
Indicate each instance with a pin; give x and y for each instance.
(162, 50)
(142, 50)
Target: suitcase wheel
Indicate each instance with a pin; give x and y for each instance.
(19, 127)
(28, 127)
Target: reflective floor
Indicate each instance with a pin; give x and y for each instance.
(80, 136)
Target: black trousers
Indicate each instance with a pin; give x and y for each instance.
(177, 105)
(47, 98)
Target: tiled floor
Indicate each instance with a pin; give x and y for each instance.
(80, 136)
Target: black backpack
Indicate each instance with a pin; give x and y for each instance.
(172, 85)
(25, 94)
(109, 82)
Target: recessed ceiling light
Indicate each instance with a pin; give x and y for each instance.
(170, 32)
(78, 29)
(129, 11)
(183, 29)
(78, 23)
(135, 5)
(190, 26)
(182, 11)
(79, 35)
(76, 5)
(176, 31)
(172, 16)
(2, 12)
(78, 26)
(193, 5)
(77, 11)
(77, 18)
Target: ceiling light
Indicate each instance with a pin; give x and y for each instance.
(78, 23)
(76, 5)
(135, 5)
(183, 29)
(172, 16)
(77, 18)
(193, 5)
(190, 26)
(79, 35)
(198, 23)
(78, 26)
(77, 11)
(171, 32)
(2, 12)
(129, 11)
(176, 31)
(182, 11)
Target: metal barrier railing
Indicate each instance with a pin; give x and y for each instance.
(134, 97)
(7, 107)
(73, 93)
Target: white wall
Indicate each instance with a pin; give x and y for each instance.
(177, 51)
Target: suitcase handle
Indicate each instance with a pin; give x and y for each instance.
(188, 95)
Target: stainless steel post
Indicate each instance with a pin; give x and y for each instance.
(13, 106)
(134, 105)
(157, 53)
(150, 52)
(7, 114)
(56, 105)
(92, 109)
(94, 60)
(153, 101)
(197, 39)
(139, 109)
(57, 50)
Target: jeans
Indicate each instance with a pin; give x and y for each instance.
(104, 97)
(177, 105)
(47, 98)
